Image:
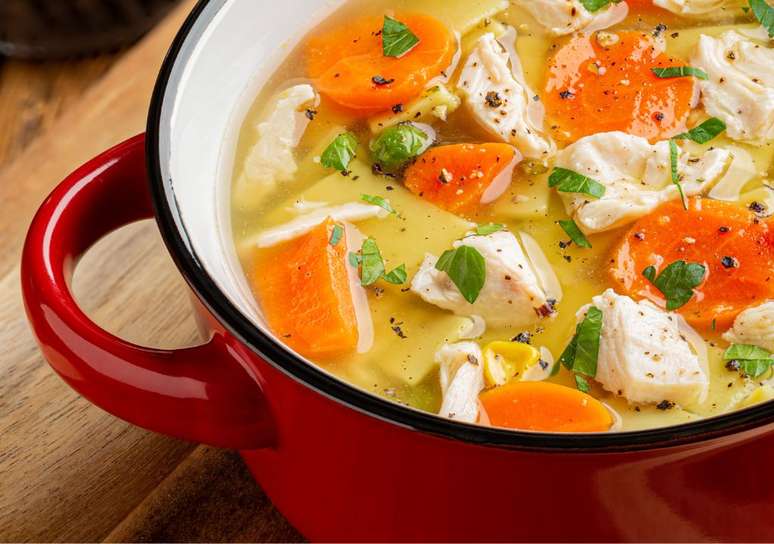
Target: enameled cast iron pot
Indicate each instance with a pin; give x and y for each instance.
(340, 463)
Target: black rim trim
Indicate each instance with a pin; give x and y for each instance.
(170, 225)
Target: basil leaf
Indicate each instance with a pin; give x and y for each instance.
(489, 228)
(745, 352)
(336, 234)
(755, 367)
(705, 132)
(765, 15)
(398, 276)
(567, 181)
(340, 152)
(673, 156)
(676, 282)
(378, 201)
(567, 358)
(467, 270)
(582, 353)
(575, 234)
(582, 384)
(679, 71)
(398, 144)
(650, 274)
(354, 259)
(595, 5)
(397, 38)
(372, 264)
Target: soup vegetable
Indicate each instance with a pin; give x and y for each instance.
(549, 216)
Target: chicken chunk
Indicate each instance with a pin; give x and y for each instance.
(700, 8)
(561, 17)
(512, 294)
(637, 177)
(499, 98)
(462, 379)
(754, 326)
(643, 356)
(740, 88)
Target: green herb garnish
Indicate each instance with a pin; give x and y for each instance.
(582, 384)
(397, 38)
(466, 268)
(371, 265)
(674, 153)
(398, 276)
(705, 132)
(677, 281)
(680, 71)
(765, 15)
(595, 5)
(489, 228)
(581, 354)
(340, 152)
(567, 181)
(336, 234)
(398, 144)
(576, 235)
(753, 360)
(378, 201)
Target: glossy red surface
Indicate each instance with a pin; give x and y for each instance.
(341, 474)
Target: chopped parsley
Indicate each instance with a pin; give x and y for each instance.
(371, 264)
(581, 354)
(340, 152)
(567, 181)
(398, 276)
(674, 154)
(705, 132)
(398, 144)
(582, 384)
(466, 268)
(489, 228)
(378, 201)
(765, 15)
(576, 235)
(677, 281)
(336, 234)
(680, 71)
(397, 38)
(753, 361)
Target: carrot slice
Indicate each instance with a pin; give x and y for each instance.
(456, 177)
(349, 67)
(545, 406)
(736, 247)
(594, 88)
(303, 288)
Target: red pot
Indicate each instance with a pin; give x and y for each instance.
(342, 464)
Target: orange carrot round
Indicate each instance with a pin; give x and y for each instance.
(736, 247)
(545, 406)
(594, 88)
(456, 177)
(303, 289)
(349, 67)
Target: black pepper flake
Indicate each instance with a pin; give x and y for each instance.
(493, 99)
(310, 114)
(675, 34)
(658, 116)
(397, 330)
(723, 230)
(472, 359)
(731, 55)
(547, 309)
(564, 95)
(523, 337)
(733, 365)
(377, 170)
(543, 364)
(757, 207)
(639, 236)
(379, 80)
(397, 108)
(729, 262)
(665, 405)
(563, 244)
(660, 28)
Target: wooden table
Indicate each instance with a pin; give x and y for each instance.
(68, 471)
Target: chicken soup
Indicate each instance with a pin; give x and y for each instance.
(549, 216)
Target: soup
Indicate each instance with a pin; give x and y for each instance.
(542, 216)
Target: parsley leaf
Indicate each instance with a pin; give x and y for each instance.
(575, 234)
(336, 234)
(755, 367)
(676, 282)
(378, 201)
(371, 264)
(340, 152)
(680, 71)
(582, 352)
(466, 268)
(489, 228)
(582, 384)
(595, 5)
(567, 181)
(753, 361)
(705, 132)
(765, 15)
(398, 144)
(354, 259)
(397, 38)
(674, 154)
(398, 276)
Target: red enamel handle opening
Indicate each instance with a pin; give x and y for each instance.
(203, 394)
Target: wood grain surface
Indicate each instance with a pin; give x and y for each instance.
(69, 471)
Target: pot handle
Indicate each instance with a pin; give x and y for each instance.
(202, 394)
